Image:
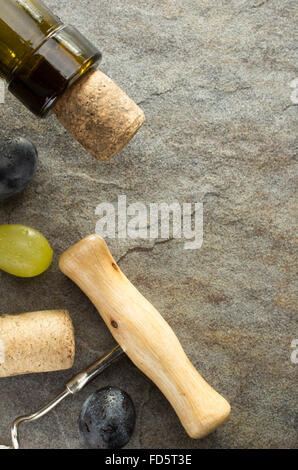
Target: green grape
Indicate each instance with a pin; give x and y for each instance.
(24, 252)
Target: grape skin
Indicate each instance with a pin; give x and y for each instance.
(18, 163)
(107, 419)
(24, 252)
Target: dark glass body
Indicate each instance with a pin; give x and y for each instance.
(40, 56)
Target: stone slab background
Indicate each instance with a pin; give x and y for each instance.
(213, 78)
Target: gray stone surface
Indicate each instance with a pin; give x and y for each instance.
(214, 81)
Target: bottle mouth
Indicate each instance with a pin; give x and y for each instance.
(56, 64)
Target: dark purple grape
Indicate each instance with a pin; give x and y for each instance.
(18, 163)
(107, 419)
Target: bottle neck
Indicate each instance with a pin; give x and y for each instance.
(24, 25)
(39, 56)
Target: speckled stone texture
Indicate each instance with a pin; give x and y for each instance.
(214, 81)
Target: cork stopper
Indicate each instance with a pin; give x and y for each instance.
(36, 342)
(99, 115)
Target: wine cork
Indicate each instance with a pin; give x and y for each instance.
(99, 115)
(36, 342)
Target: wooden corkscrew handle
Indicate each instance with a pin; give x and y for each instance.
(144, 335)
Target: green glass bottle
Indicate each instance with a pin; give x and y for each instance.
(40, 57)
